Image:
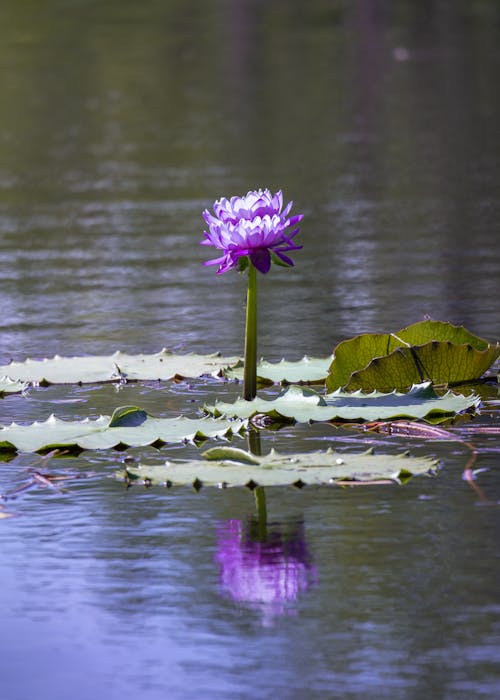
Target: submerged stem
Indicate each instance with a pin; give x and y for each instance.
(261, 507)
(253, 439)
(250, 368)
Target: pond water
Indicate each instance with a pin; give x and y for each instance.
(122, 121)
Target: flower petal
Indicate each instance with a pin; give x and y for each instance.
(261, 259)
(284, 258)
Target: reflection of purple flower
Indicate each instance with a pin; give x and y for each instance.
(253, 226)
(268, 575)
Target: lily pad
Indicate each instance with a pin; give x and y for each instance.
(129, 426)
(11, 386)
(117, 367)
(226, 467)
(308, 370)
(426, 351)
(303, 405)
(441, 363)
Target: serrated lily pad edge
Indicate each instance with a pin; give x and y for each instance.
(281, 372)
(116, 368)
(473, 402)
(122, 367)
(251, 465)
(105, 434)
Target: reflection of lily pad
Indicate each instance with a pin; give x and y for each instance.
(240, 468)
(119, 366)
(427, 351)
(303, 405)
(128, 426)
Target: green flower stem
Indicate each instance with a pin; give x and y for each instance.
(250, 368)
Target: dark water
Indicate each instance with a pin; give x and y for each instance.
(120, 123)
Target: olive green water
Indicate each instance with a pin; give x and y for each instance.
(120, 122)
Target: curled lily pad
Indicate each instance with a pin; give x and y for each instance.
(441, 363)
(224, 467)
(129, 426)
(117, 367)
(427, 351)
(303, 405)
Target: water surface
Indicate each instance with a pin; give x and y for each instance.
(120, 123)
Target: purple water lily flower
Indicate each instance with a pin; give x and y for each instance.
(253, 226)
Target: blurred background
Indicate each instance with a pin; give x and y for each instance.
(121, 121)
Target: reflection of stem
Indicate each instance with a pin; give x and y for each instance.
(260, 503)
(469, 476)
(250, 368)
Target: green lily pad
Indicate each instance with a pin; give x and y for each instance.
(441, 363)
(160, 366)
(308, 370)
(224, 467)
(117, 367)
(303, 405)
(129, 426)
(426, 351)
(11, 386)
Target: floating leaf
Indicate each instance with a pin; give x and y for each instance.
(441, 363)
(308, 370)
(303, 405)
(117, 367)
(128, 426)
(11, 386)
(426, 351)
(225, 468)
